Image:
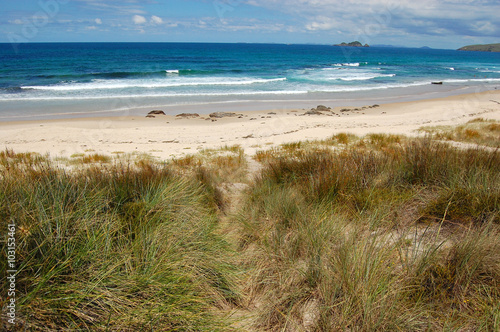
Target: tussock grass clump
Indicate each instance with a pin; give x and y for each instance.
(115, 248)
(86, 159)
(327, 237)
(227, 164)
(10, 159)
(343, 138)
(477, 131)
(383, 140)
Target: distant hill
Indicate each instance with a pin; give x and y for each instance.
(482, 48)
(353, 44)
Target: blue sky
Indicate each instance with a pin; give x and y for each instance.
(434, 23)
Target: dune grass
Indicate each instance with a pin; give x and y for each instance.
(114, 248)
(476, 131)
(374, 233)
(327, 237)
(227, 164)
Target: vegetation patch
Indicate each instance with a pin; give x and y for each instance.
(477, 131)
(390, 234)
(116, 248)
(374, 233)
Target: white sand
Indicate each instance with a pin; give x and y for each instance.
(168, 136)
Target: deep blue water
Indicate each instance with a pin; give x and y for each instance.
(66, 78)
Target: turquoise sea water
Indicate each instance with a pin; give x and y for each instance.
(88, 79)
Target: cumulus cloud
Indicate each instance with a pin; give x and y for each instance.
(156, 20)
(138, 19)
(322, 23)
(98, 21)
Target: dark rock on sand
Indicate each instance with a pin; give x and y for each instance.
(318, 110)
(156, 112)
(313, 111)
(323, 108)
(188, 115)
(219, 115)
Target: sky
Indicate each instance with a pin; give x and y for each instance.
(443, 24)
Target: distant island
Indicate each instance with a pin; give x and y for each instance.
(353, 44)
(481, 48)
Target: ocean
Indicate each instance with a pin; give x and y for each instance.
(58, 80)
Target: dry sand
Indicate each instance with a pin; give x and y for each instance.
(167, 136)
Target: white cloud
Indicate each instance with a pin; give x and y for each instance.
(138, 19)
(483, 27)
(322, 23)
(156, 20)
(16, 21)
(98, 21)
(121, 7)
(397, 16)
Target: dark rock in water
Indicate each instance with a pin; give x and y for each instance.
(219, 115)
(188, 115)
(156, 112)
(439, 83)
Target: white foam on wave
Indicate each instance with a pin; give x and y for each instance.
(340, 88)
(155, 95)
(365, 77)
(333, 74)
(152, 84)
(472, 80)
(172, 71)
(487, 70)
(349, 64)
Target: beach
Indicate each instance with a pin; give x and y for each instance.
(171, 136)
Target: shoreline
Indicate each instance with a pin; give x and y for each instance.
(136, 106)
(167, 136)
